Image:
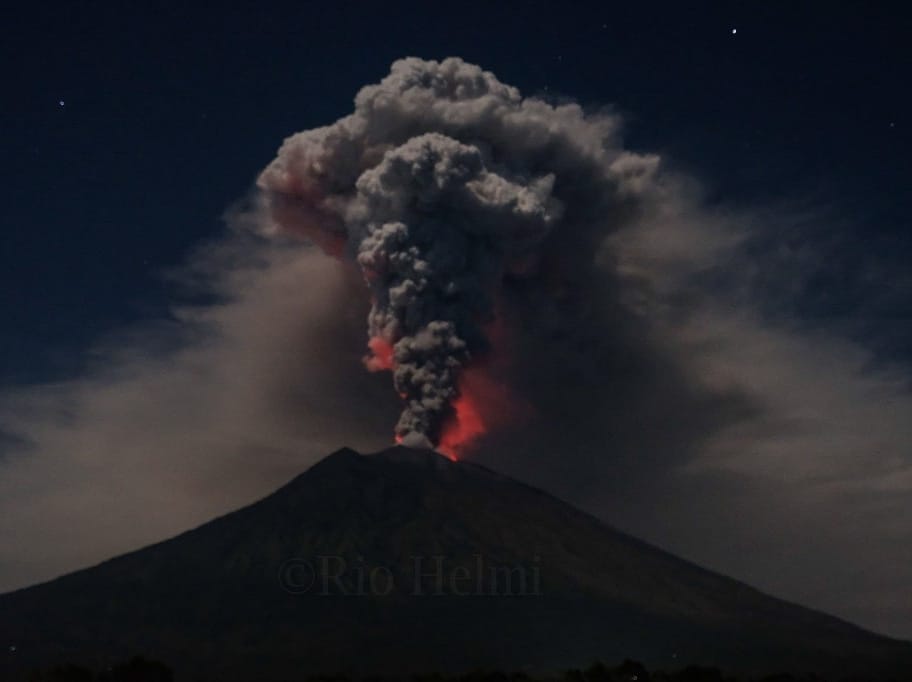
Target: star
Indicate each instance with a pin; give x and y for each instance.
(734, 31)
(61, 103)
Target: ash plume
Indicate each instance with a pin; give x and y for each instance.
(441, 185)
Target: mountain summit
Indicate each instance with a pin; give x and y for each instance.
(404, 561)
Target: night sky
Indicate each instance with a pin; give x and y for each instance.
(128, 133)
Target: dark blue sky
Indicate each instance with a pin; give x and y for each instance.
(169, 112)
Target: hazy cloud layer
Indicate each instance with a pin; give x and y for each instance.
(186, 419)
(653, 384)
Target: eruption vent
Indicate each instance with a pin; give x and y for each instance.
(443, 182)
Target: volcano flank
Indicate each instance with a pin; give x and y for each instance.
(405, 561)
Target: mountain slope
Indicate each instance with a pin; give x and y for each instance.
(405, 561)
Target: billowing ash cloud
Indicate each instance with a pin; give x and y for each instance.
(443, 182)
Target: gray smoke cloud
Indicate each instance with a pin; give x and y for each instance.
(441, 184)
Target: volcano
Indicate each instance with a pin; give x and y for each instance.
(405, 561)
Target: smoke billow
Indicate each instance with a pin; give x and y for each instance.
(443, 184)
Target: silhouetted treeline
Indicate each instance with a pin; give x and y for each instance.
(142, 670)
(137, 669)
(628, 671)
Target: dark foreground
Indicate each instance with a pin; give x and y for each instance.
(142, 670)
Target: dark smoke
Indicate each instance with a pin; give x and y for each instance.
(443, 184)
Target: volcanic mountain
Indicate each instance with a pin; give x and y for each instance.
(404, 561)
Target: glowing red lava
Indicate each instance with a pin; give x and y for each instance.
(381, 355)
(465, 425)
(485, 402)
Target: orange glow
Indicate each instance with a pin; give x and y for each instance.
(381, 355)
(479, 394)
(485, 403)
(462, 428)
